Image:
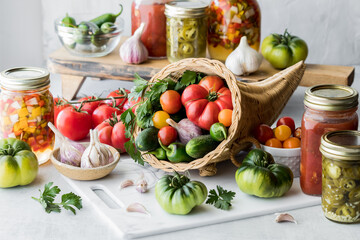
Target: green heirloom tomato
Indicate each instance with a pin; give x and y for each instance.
(18, 164)
(259, 175)
(178, 195)
(282, 51)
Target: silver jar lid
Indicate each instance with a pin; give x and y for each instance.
(341, 145)
(331, 97)
(24, 78)
(186, 8)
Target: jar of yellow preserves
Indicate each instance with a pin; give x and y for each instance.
(341, 175)
(26, 107)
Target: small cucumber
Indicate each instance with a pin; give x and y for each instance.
(147, 140)
(199, 146)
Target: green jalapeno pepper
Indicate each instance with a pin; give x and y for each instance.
(176, 152)
(107, 17)
(159, 153)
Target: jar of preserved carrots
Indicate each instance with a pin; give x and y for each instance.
(151, 12)
(26, 107)
(229, 20)
(327, 108)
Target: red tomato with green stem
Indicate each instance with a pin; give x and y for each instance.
(119, 103)
(112, 132)
(89, 106)
(167, 135)
(288, 121)
(130, 103)
(73, 123)
(104, 112)
(263, 133)
(205, 100)
(59, 105)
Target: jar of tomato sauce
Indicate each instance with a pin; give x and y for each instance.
(229, 20)
(26, 107)
(327, 108)
(151, 12)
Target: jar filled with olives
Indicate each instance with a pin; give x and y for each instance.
(186, 29)
(341, 175)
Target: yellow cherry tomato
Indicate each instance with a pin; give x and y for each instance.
(159, 119)
(282, 132)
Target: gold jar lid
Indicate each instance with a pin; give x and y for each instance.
(24, 78)
(341, 145)
(186, 8)
(331, 97)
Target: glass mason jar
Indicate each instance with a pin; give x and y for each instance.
(229, 20)
(186, 29)
(327, 108)
(26, 107)
(151, 12)
(340, 199)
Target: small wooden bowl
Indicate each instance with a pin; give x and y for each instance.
(78, 173)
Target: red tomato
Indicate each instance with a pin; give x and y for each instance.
(205, 100)
(288, 121)
(90, 106)
(128, 104)
(73, 124)
(59, 104)
(167, 135)
(103, 113)
(112, 132)
(263, 133)
(297, 132)
(170, 101)
(119, 103)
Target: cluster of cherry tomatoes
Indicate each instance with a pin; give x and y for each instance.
(285, 135)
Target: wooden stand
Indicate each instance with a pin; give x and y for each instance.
(74, 71)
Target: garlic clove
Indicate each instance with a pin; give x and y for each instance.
(141, 184)
(284, 217)
(126, 183)
(133, 50)
(137, 207)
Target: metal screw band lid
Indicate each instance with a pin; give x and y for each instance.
(341, 145)
(187, 8)
(331, 97)
(24, 78)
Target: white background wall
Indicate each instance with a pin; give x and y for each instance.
(330, 27)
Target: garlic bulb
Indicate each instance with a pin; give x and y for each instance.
(96, 154)
(133, 50)
(243, 60)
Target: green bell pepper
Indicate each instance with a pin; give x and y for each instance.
(176, 152)
(18, 164)
(259, 175)
(178, 195)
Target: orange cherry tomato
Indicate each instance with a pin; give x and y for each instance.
(159, 119)
(273, 142)
(282, 132)
(170, 101)
(292, 142)
(225, 117)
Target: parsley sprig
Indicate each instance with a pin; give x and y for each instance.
(68, 201)
(221, 200)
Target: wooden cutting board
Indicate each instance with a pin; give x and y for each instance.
(75, 69)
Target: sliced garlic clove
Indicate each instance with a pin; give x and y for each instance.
(137, 207)
(284, 217)
(126, 183)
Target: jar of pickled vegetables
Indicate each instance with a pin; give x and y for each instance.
(26, 107)
(229, 20)
(151, 12)
(327, 108)
(340, 199)
(186, 29)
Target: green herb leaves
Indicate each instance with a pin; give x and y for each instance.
(221, 200)
(68, 201)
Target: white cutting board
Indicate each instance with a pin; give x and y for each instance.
(132, 225)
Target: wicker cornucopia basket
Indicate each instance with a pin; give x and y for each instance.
(253, 104)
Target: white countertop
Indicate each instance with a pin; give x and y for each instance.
(24, 218)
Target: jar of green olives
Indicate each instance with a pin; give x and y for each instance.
(340, 199)
(186, 29)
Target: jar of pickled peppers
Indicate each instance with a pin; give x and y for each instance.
(340, 199)
(229, 20)
(327, 108)
(186, 29)
(26, 107)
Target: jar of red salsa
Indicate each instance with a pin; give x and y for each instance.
(151, 12)
(229, 20)
(26, 107)
(327, 108)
